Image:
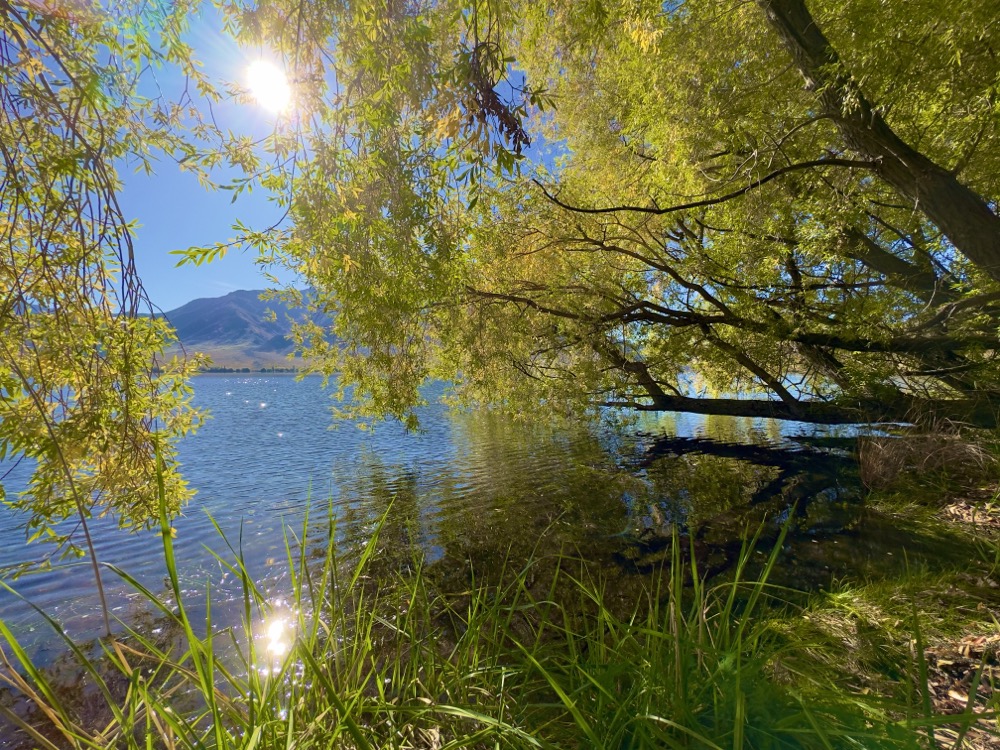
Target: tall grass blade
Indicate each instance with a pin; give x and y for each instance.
(922, 676)
(567, 701)
(344, 715)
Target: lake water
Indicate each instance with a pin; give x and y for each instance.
(469, 486)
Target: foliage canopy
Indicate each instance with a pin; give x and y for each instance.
(83, 393)
(652, 205)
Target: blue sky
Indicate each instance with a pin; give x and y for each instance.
(174, 212)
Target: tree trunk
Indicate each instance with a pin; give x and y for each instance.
(975, 412)
(963, 216)
(899, 273)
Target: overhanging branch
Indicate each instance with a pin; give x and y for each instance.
(657, 211)
(976, 412)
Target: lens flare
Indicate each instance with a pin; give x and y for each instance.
(278, 635)
(268, 85)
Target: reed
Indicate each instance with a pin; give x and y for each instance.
(536, 657)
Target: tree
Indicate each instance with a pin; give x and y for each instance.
(84, 392)
(792, 201)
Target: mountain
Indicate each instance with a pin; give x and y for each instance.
(234, 331)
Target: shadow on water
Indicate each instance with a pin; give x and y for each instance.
(713, 494)
(518, 492)
(524, 492)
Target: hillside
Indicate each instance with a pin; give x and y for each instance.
(234, 331)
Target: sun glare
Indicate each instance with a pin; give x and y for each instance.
(269, 86)
(277, 634)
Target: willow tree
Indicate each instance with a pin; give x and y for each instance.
(651, 205)
(83, 396)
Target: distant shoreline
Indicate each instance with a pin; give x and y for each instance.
(248, 370)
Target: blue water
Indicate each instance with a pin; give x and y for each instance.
(270, 451)
(466, 484)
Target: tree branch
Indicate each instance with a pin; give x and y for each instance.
(898, 272)
(964, 217)
(815, 164)
(978, 412)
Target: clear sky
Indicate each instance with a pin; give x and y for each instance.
(175, 212)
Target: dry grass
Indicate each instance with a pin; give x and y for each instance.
(947, 460)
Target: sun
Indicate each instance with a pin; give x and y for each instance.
(269, 86)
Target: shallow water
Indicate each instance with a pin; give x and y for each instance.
(467, 487)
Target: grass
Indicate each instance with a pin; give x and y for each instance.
(545, 654)
(930, 463)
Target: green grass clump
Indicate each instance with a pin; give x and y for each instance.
(542, 655)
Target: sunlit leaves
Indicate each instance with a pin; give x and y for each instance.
(83, 395)
(444, 245)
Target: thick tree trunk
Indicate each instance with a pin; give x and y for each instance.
(973, 412)
(910, 344)
(963, 216)
(898, 272)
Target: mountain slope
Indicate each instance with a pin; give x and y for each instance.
(233, 330)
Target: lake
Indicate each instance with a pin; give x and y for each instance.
(467, 487)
